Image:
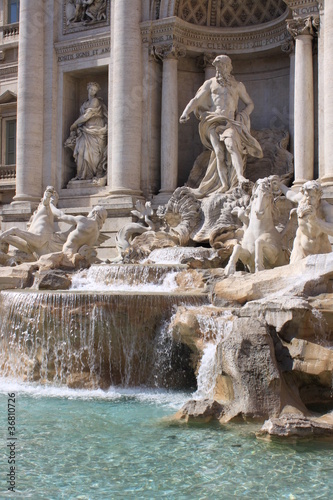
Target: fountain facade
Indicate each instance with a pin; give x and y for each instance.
(118, 216)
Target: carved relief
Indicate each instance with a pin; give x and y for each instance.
(81, 14)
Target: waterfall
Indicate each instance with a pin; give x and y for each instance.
(129, 277)
(171, 360)
(214, 330)
(98, 338)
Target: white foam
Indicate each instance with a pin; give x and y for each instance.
(103, 279)
(155, 396)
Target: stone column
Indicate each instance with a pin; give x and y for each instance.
(321, 96)
(302, 30)
(151, 124)
(169, 121)
(30, 104)
(210, 70)
(328, 93)
(289, 48)
(126, 98)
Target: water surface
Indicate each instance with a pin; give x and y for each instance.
(80, 444)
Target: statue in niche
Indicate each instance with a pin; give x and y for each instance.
(223, 129)
(88, 137)
(85, 11)
(315, 221)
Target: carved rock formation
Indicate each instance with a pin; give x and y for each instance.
(297, 426)
(16, 277)
(310, 276)
(272, 357)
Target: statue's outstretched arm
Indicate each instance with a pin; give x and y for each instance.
(289, 194)
(198, 100)
(62, 217)
(328, 210)
(326, 227)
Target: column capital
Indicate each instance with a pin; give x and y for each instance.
(303, 26)
(168, 51)
(289, 46)
(205, 60)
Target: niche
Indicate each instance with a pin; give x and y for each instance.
(75, 94)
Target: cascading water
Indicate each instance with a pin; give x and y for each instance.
(137, 277)
(214, 331)
(78, 338)
(171, 360)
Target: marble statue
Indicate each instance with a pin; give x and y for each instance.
(41, 237)
(126, 234)
(88, 137)
(223, 129)
(315, 221)
(262, 244)
(86, 233)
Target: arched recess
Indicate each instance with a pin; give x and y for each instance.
(228, 13)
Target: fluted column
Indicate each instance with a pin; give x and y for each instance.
(302, 30)
(169, 120)
(29, 164)
(126, 98)
(328, 93)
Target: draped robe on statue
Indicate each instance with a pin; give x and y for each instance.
(239, 130)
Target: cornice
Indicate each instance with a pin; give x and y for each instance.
(83, 47)
(303, 8)
(202, 38)
(9, 70)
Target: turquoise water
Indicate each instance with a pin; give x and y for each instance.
(78, 444)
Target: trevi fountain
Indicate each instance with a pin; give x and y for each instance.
(166, 260)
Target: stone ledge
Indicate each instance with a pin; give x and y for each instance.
(309, 277)
(298, 426)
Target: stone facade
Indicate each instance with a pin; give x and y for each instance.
(149, 57)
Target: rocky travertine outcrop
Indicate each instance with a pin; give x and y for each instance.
(17, 277)
(273, 356)
(297, 426)
(308, 277)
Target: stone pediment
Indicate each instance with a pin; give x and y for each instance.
(8, 97)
